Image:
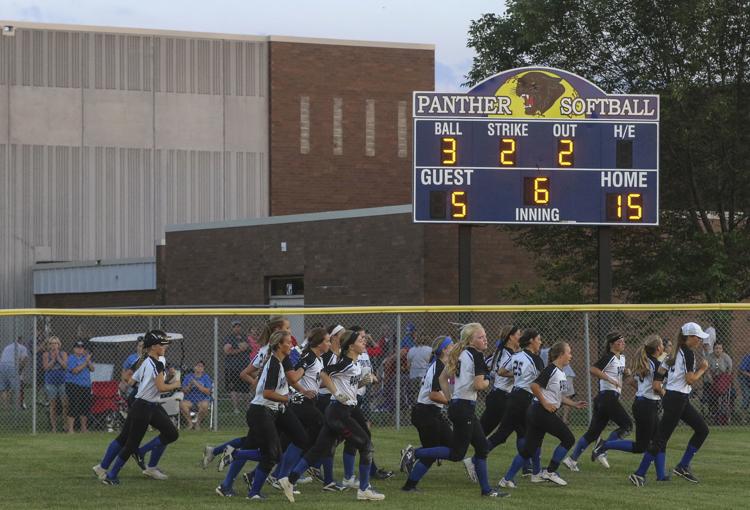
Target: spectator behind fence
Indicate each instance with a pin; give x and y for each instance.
(54, 365)
(128, 367)
(253, 344)
(78, 386)
(197, 388)
(408, 340)
(718, 384)
(12, 361)
(389, 374)
(235, 360)
(418, 359)
(744, 377)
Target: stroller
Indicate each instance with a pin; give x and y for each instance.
(108, 408)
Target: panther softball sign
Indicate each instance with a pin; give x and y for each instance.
(536, 145)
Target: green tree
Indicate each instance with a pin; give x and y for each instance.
(696, 55)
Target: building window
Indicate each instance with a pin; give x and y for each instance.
(304, 125)
(401, 130)
(286, 286)
(338, 128)
(370, 127)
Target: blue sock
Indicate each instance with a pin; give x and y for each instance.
(614, 435)
(661, 465)
(112, 450)
(149, 446)
(559, 454)
(580, 446)
(687, 457)
(436, 452)
(364, 476)
(327, 464)
(300, 467)
(234, 443)
(373, 468)
(348, 465)
(418, 471)
(258, 481)
(156, 454)
(247, 455)
(234, 469)
(484, 480)
(520, 443)
(515, 467)
(116, 467)
(289, 459)
(645, 463)
(622, 445)
(536, 461)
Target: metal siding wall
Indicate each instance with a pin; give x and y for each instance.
(110, 201)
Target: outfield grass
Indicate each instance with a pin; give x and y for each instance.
(54, 471)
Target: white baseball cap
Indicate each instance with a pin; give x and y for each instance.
(693, 329)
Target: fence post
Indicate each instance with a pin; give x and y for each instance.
(587, 347)
(216, 375)
(398, 372)
(33, 378)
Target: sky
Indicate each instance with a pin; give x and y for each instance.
(439, 22)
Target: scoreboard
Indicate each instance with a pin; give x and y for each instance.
(536, 146)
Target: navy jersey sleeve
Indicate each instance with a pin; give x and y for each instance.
(287, 364)
(538, 362)
(159, 366)
(305, 361)
(689, 360)
(436, 376)
(544, 377)
(342, 365)
(480, 367)
(272, 377)
(327, 357)
(602, 363)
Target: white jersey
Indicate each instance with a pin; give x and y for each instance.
(470, 364)
(684, 363)
(312, 365)
(503, 360)
(526, 368)
(272, 378)
(646, 383)
(553, 383)
(260, 357)
(612, 365)
(366, 365)
(145, 376)
(346, 376)
(329, 358)
(430, 383)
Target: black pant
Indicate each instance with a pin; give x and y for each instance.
(340, 424)
(142, 414)
(350, 448)
(264, 425)
(322, 402)
(494, 409)
(433, 428)
(539, 422)
(514, 418)
(607, 407)
(677, 407)
(311, 419)
(466, 430)
(646, 416)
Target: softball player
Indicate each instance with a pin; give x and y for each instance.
(342, 379)
(500, 367)
(681, 371)
(426, 415)
(147, 410)
(610, 370)
(541, 417)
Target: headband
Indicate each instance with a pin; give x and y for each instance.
(338, 329)
(448, 340)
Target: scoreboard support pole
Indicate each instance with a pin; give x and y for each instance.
(605, 265)
(464, 264)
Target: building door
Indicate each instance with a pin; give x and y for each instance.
(287, 292)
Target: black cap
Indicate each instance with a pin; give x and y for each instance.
(79, 343)
(156, 337)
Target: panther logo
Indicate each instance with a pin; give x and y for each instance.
(539, 91)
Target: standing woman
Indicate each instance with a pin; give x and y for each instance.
(426, 415)
(54, 362)
(681, 371)
(610, 370)
(78, 386)
(342, 380)
(526, 365)
(501, 367)
(266, 417)
(647, 397)
(466, 364)
(147, 410)
(541, 417)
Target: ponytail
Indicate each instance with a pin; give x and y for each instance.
(317, 336)
(676, 346)
(640, 364)
(505, 335)
(467, 333)
(274, 323)
(528, 336)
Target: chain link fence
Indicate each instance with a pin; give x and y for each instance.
(68, 370)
